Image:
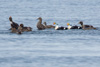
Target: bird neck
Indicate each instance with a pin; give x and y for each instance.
(11, 22)
(10, 19)
(40, 21)
(82, 25)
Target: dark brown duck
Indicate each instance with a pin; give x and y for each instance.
(86, 27)
(14, 30)
(23, 29)
(40, 26)
(48, 26)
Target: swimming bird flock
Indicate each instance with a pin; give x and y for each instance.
(19, 29)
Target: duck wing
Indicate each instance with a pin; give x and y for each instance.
(27, 29)
(40, 26)
(74, 27)
(87, 26)
(50, 26)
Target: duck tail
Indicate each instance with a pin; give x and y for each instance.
(94, 28)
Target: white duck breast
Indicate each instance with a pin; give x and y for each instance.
(56, 27)
(69, 27)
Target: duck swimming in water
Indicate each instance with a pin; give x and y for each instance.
(23, 29)
(59, 28)
(73, 27)
(86, 27)
(13, 24)
(48, 26)
(14, 30)
(40, 26)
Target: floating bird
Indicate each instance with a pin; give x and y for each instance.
(13, 24)
(86, 27)
(59, 28)
(40, 26)
(23, 29)
(48, 26)
(73, 27)
(14, 30)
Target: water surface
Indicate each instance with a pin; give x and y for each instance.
(50, 48)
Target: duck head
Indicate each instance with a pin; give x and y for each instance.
(68, 24)
(45, 23)
(39, 18)
(55, 23)
(10, 18)
(21, 25)
(81, 22)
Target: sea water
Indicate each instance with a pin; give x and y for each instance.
(50, 48)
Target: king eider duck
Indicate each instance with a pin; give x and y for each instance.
(73, 27)
(59, 28)
(48, 26)
(86, 27)
(23, 29)
(40, 26)
(13, 24)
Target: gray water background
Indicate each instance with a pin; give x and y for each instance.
(50, 48)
